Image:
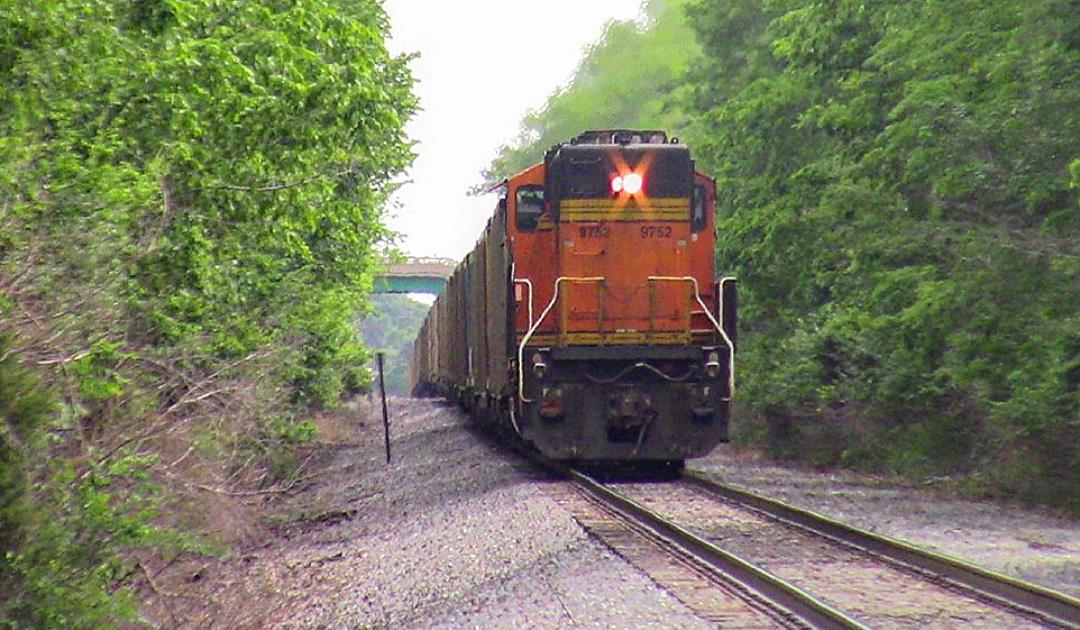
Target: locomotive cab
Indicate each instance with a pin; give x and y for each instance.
(589, 320)
(624, 351)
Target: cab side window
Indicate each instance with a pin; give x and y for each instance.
(530, 205)
(698, 218)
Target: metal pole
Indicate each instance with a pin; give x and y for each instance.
(385, 413)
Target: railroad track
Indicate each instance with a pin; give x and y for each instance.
(794, 568)
(1046, 606)
(782, 604)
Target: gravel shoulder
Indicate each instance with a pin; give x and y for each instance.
(453, 533)
(1028, 544)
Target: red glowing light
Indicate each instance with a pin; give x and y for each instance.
(616, 184)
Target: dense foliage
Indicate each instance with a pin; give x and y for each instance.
(390, 328)
(898, 193)
(896, 199)
(190, 204)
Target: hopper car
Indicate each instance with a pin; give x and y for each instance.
(589, 321)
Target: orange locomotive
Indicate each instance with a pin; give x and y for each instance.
(589, 320)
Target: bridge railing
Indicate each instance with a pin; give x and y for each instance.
(431, 260)
(428, 267)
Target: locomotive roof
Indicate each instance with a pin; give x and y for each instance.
(623, 136)
(607, 138)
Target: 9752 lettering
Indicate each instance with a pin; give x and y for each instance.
(594, 231)
(656, 231)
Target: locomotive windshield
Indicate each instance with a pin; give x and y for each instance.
(586, 171)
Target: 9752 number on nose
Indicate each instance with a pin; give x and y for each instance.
(656, 231)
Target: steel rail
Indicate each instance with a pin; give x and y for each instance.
(797, 602)
(788, 599)
(1053, 606)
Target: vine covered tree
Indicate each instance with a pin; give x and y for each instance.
(191, 198)
(896, 198)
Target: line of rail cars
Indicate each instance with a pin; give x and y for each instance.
(589, 320)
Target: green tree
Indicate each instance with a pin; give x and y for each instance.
(391, 328)
(896, 199)
(191, 197)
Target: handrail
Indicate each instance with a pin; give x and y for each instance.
(536, 325)
(720, 329)
(555, 296)
(720, 293)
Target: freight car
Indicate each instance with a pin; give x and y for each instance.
(588, 320)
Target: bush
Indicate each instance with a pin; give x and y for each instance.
(191, 198)
(62, 534)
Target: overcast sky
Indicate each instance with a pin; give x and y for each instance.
(482, 65)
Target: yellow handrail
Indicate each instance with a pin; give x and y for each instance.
(536, 325)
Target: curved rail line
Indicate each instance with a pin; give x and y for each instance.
(1054, 607)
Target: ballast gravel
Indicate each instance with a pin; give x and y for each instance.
(453, 533)
(1032, 545)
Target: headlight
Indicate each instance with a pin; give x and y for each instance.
(538, 365)
(712, 365)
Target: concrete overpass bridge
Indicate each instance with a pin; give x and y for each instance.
(416, 275)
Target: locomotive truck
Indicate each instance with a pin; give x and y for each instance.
(589, 321)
